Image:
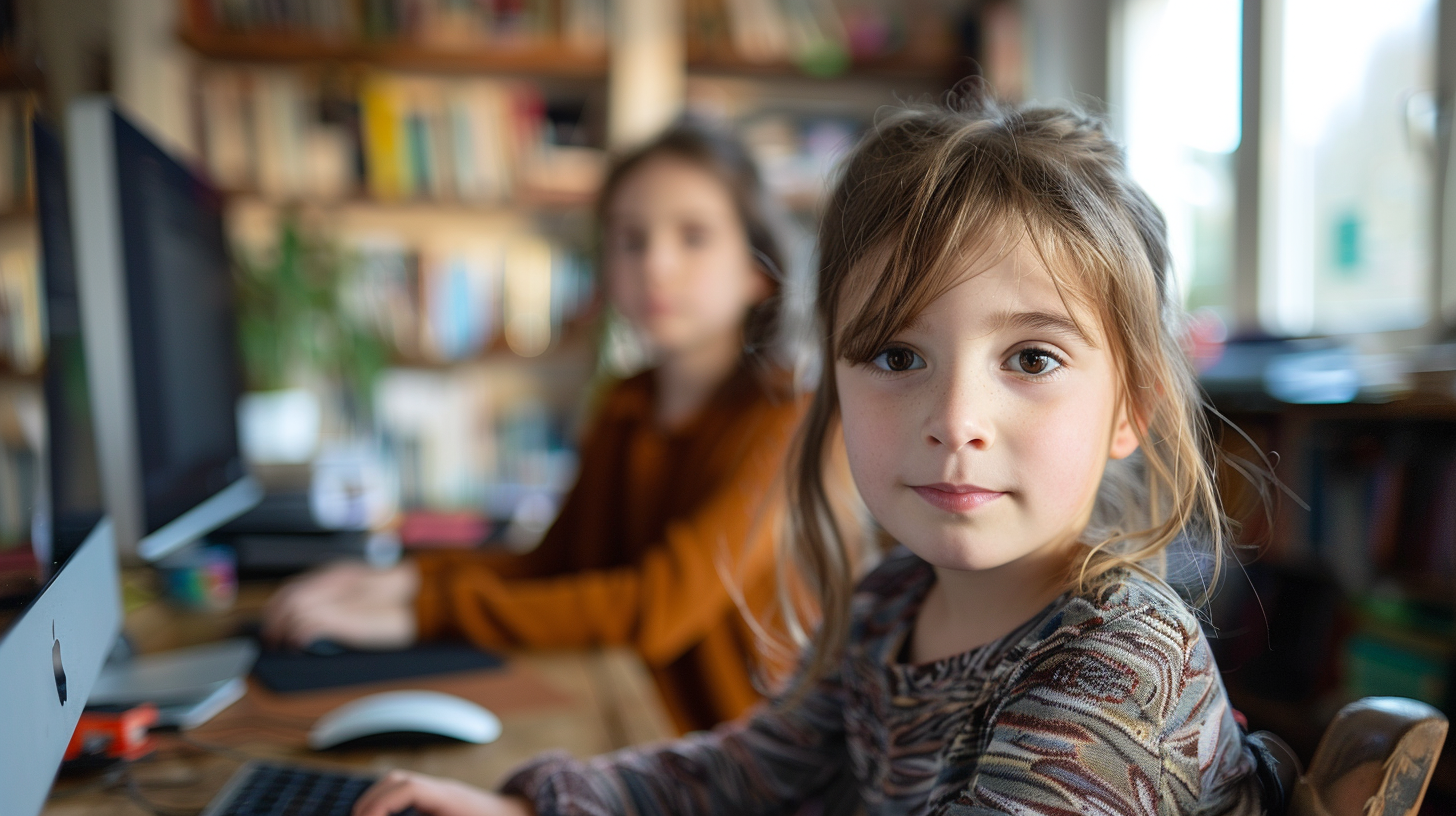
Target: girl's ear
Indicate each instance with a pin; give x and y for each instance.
(1126, 430)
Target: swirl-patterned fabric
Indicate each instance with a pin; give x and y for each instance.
(1104, 703)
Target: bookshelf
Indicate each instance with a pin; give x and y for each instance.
(1356, 595)
(20, 322)
(423, 226)
(456, 178)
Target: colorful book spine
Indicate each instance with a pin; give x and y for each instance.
(383, 145)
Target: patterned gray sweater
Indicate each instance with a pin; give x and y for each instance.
(1104, 704)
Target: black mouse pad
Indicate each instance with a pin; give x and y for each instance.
(294, 671)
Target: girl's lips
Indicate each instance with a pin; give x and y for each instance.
(956, 498)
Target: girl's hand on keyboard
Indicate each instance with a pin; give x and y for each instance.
(433, 796)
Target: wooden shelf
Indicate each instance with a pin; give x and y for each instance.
(704, 58)
(568, 337)
(9, 373)
(526, 201)
(551, 59)
(24, 212)
(1417, 406)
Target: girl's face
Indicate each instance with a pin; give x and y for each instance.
(678, 262)
(979, 434)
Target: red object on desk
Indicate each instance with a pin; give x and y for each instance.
(431, 530)
(114, 734)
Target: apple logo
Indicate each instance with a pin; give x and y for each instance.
(56, 665)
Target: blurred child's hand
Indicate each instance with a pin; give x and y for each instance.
(352, 604)
(433, 796)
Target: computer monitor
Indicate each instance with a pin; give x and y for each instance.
(157, 300)
(52, 651)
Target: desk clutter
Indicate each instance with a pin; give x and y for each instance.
(184, 688)
(585, 702)
(588, 702)
(191, 685)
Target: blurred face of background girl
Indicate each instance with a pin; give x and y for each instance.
(679, 266)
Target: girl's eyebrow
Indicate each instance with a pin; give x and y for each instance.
(1036, 321)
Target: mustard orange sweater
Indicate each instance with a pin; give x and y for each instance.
(660, 531)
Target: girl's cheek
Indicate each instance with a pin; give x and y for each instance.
(873, 434)
(1068, 454)
(624, 288)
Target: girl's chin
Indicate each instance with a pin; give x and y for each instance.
(958, 554)
(669, 336)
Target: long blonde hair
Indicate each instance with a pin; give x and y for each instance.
(930, 188)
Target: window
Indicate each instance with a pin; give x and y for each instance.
(1346, 174)
(1347, 180)
(1176, 88)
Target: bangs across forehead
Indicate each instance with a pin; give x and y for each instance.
(900, 277)
(928, 200)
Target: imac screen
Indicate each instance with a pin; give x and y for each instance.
(183, 328)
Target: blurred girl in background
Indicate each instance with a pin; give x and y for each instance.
(670, 526)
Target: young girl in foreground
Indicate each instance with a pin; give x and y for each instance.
(1006, 374)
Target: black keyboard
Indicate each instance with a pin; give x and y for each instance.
(265, 789)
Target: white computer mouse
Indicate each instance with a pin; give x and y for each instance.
(405, 712)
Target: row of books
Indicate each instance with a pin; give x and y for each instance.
(389, 137)
(20, 469)
(1383, 503)
(467, 438)
(22, 343)
(445, 24)
(451, 305)
(798, 155)
(824, 37)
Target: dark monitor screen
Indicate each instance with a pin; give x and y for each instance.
(74, 478)
(187, 371)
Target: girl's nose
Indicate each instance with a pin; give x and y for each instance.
(959, 416)
(659, 259)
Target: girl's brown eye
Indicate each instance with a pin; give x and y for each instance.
(1034, 362)
(898, 359)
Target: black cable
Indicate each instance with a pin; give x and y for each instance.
(134, 793)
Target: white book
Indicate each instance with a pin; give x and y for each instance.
(279, 125)
(224, 129)
(469, 184)
(495, 152)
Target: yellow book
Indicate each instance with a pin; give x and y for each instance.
(384, 161)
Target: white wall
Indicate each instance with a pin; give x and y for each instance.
(1066, 50)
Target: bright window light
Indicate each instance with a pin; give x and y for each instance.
(1347, 175)
(1177, 96)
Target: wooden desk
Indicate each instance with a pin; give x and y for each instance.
(584, 702)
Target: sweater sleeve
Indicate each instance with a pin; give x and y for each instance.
(1128, 718)
(785, 754)
(661, 604)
